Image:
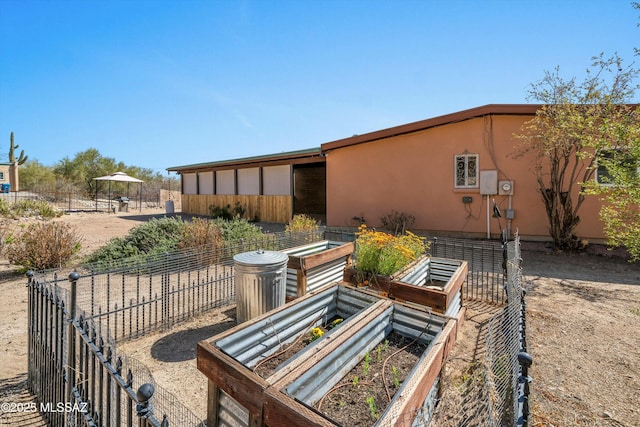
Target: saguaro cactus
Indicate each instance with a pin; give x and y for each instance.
(12, 156)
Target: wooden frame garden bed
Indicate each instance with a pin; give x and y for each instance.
(287, 396)
(316, 265)
(429, 281)
(229, 358)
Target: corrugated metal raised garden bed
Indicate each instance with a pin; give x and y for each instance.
(315, 265)
(231, 358)
(429, 281)
(381, 348)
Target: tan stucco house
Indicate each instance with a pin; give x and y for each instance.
(9, 175)
(446, 171)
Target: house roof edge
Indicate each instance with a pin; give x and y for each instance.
(503, 109)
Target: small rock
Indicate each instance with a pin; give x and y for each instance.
(607, 415)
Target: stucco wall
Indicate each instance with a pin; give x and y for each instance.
(5, 176)
(414, 173)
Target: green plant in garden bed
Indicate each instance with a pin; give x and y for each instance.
(372, 408)
(382, 253)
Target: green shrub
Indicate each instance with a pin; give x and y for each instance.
(238, 228)
(115, 249)
(301, 222)
(5, 209)
(200, 232)
(43, 246)
(153, 237)
(159, 236)
(227, 212)
(28, 208)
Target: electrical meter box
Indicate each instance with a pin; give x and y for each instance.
(489, 182)
(505, 188)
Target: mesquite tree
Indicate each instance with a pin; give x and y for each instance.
(568, 134)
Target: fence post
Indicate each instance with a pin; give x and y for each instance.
(144, 408)
(71, 337)
(525, 361)
(30, 324)
(165, 289)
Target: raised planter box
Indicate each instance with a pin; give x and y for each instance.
(429, 281)
(295, 398)
(229, 359)
(287, 395)
(316, 265)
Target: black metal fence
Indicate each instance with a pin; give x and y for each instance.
(74, 326)
(76, 377)
(130, 299)
(75, 322)
(76, 201)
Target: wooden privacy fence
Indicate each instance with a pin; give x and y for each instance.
(264, 208)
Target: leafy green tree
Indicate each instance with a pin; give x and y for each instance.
(619, 188)
(78, 173)
(570, 132)
(86, 166)
(35, 176)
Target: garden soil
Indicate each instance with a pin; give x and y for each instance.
(583, 326)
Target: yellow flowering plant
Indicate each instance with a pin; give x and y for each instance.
(382, 253)
(316, 333)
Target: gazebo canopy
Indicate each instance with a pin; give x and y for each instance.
(118, 176)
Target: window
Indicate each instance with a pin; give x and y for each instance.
(1, 176)
(610, 157)
(466, 169)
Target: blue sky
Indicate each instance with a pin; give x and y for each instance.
(159, 83)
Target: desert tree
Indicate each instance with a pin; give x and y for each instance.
(570, 132)
(618, 183)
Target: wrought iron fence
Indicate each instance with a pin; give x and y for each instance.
(74, 324)
(132, 299)
(77, 201)
(129, 299)
(78, 378)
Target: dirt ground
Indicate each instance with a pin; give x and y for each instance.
(583, 328)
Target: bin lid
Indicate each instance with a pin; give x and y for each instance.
(261, 257)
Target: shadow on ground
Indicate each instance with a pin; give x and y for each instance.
(584, 266)
(181, 346)
(23, 409)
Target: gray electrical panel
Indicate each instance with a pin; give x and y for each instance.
(489, 182)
